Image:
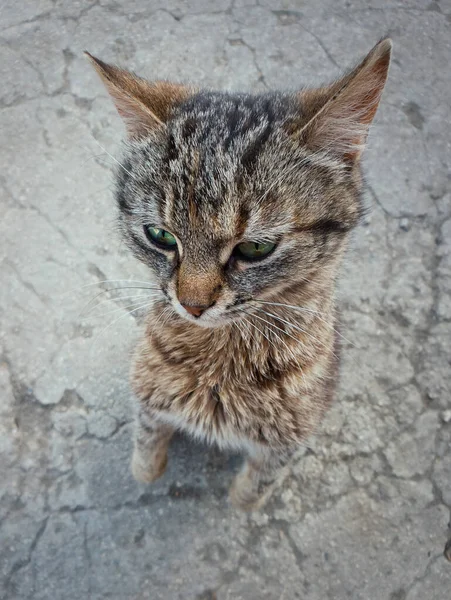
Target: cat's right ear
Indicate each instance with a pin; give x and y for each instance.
(142, 105)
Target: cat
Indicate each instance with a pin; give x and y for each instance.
(241, 206)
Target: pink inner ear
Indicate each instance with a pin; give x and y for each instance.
(142, 105)
(138, 119)
(346, 109)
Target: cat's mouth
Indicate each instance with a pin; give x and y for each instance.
(223, 312)
(207, 319)
(211, 318)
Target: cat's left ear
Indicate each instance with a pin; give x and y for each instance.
(336, 118)
(142, 105)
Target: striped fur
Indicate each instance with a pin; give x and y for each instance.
(253, 371)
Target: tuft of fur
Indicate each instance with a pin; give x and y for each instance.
(257, 369)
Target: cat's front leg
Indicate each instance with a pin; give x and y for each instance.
(150, 453)
(261, 472)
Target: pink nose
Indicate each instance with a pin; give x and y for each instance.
(196, 311)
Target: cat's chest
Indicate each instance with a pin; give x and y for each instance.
(218, 366)
(223, 393)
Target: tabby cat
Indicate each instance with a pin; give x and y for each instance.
(241, 206)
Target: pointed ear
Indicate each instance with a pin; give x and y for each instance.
(338, 116)
(142, 105)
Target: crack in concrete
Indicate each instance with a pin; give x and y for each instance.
(88, 558)
(385, 210)
(22, 563)
(261, 77)
(321, 45)
(427, 570)
(42, 17)
(410, 9)
(103, 438)
(27, 284)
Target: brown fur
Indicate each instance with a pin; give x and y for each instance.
(255, 369)
(141, 104)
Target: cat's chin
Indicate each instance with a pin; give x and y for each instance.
(203, 321)
(208, 323)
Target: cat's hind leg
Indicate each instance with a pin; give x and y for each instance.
(150, 453)
(260, 474)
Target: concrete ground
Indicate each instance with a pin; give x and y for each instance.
(364, 513)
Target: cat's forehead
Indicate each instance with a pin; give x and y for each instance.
(217, 117)
(214, 144)
(225, 167)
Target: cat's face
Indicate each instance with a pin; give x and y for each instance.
(225, 207)
(231, 197)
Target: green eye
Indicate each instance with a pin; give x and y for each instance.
(253, 250)
(160, 237)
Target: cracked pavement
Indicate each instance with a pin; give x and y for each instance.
(364, 512)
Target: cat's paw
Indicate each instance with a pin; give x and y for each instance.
(247, 496)
(148, 469)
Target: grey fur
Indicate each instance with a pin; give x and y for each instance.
(248, 167)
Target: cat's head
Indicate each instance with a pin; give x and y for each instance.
(231, 197)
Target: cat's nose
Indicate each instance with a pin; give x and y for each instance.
(196, 309)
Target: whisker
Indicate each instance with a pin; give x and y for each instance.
(162, 318)
(128, 313)
(278, 336)
(311, 311)
(260, 331)
(272, 343)
(112, 157)
(279, 329)
(252, 336)
(167, 312)
(290, 324)
(117, 298)
(103, 160)
(92, 157)
(246, 325)
(276, 327)
(82, 287)
(126, 287)
(119, 308)
(289, 350)
(122, 308)
(301, 308)
(353, 360)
